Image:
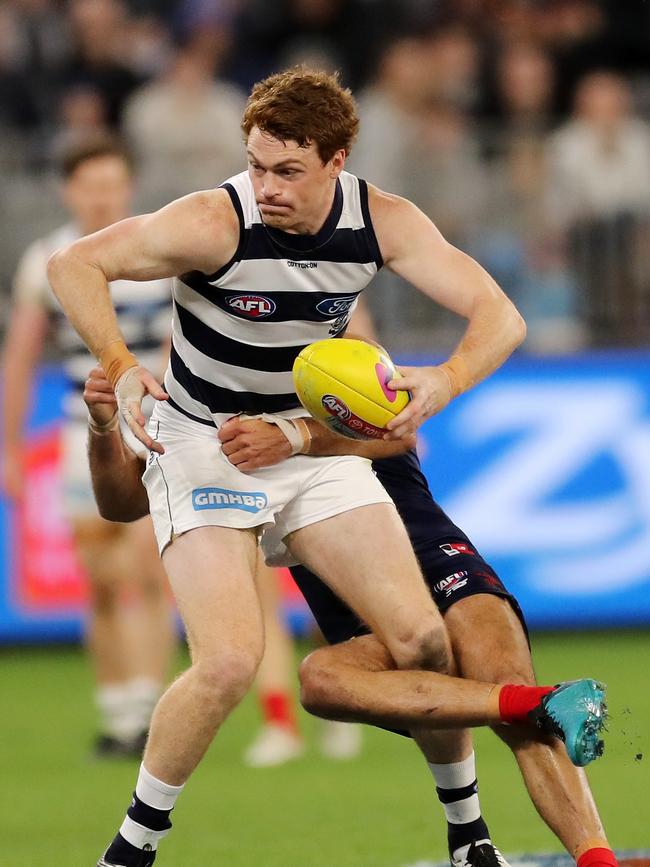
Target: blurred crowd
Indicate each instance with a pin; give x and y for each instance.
(519, 126)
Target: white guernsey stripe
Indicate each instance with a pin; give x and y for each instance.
(236, 333)
(277, 275)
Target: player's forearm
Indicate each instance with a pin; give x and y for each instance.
(325, 442)
(82, 289)
(494, 331)
(116, 474)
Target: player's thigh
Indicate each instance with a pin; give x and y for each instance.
(99, 545)
(211, 572)
(142, 550)
(366, 557)
(488, 640)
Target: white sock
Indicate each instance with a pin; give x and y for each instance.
(156, 794)
(144, 693)
(114, 704)
(458, 793)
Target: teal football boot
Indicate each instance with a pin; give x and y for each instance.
(576, 712)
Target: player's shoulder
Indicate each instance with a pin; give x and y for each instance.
(395, 221)
(385, 205)
(208, 215)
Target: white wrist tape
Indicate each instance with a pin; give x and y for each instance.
(291, 431)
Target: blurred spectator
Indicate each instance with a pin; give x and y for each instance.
(185, 126)
(336, 34)
(525, 83)
(416, 143)
(599, 192)
(100, 34)
(456, 58)
(82, 115)
(34, 42)
(514, 243)
(389, 109)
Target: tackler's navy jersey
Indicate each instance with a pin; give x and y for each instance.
(452, 567)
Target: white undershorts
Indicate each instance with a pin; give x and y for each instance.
(78, 496)
(194, 485)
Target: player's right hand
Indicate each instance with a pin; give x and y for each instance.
(130, 388)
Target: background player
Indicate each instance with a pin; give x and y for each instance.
(130, 627)
(279, 739)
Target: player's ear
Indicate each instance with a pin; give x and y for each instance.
(337, 163)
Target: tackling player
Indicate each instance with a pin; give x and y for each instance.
(485, 624)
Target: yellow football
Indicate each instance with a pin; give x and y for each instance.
(343, 383)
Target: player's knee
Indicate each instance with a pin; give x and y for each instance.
(224, 678)
(105, 595)
(320, 684)
(424, 647)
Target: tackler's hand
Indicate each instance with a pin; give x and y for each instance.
(430, 393)
(100, 398)
(251, 443)
(130, 389)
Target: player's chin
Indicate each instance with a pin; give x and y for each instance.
(276, 217)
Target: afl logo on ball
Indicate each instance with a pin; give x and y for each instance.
(251, 306)
(336, 306)
(335, 406)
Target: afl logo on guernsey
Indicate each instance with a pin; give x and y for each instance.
(336, 306)
(251, 306)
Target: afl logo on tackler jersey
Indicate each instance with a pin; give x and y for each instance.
(251, 306)
(336, 306)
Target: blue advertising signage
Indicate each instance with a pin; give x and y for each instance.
(546, 466)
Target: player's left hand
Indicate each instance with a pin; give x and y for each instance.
(430, 393)
(250, 443)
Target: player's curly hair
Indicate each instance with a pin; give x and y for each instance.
(305, 106)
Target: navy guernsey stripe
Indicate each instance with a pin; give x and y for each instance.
(234, 198)
(372, 238)
(219, 399)
(286, 306)
(215, 345)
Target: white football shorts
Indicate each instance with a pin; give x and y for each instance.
(194, 485)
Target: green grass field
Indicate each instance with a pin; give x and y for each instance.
(59, 806)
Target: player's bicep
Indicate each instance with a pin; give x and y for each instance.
(416, 250)
(196, 232)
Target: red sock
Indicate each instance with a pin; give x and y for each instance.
(516, 701)
(278, 709)
(598, 857)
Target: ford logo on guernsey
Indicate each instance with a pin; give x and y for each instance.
(221, 498)
(336, 306)
(251, 306)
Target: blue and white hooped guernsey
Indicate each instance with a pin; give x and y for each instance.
(237, 332)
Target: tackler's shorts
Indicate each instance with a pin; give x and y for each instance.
(193, 484)
(452, 571)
